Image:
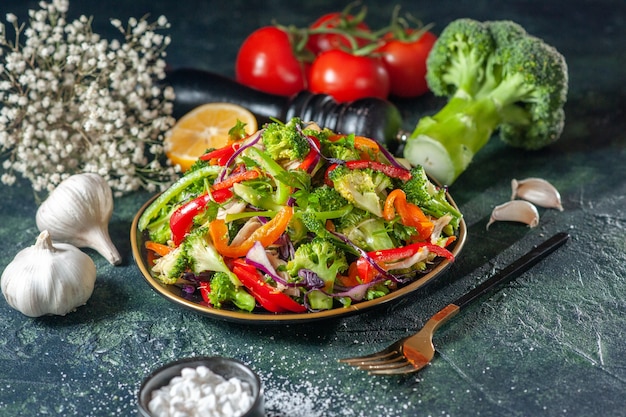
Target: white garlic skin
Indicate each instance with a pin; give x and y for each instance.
(515, 211)
(48, 279)
(538, 191)
(78, 212)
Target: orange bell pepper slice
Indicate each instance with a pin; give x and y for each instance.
(410, 214)
(266, 234)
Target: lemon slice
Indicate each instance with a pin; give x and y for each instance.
(203, 128)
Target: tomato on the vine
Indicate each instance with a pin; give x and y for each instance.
(405, 61)
(320, 42)
(348, 77)
(266, 61)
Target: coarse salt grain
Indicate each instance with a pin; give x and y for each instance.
(201, 392)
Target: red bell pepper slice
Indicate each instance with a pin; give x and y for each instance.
(205, 290)
(221, 155)
(269, 297)
(181, 221)
(387, 257)
(235, 178)
(312, 157)
(389, 170)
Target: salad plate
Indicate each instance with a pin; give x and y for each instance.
(194, 302)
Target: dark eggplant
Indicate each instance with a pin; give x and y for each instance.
(371, 117)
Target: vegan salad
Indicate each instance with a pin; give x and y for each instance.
(295, 219)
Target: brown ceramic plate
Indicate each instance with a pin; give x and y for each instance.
(195, 302)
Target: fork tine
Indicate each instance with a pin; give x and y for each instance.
(375, 357)
(385, 353)
(407, 369)
(390, 361)
(399, 362)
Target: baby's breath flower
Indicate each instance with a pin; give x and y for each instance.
(74, 102)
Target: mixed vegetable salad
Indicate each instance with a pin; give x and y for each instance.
(295, 218)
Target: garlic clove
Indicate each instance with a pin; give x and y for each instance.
(78, 212)
(538, 191)
(515, 211)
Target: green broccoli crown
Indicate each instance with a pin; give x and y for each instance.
(325, 198)
(430, 198)
(525, 78)
(321, 256)
(364, 188)
(366, 230)
(341, 151)
(532, 94)
(201, 254)
(170, 267)
(284, 141)
(223, 290)
(457, 61)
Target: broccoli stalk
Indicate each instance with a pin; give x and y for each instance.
(496, 77)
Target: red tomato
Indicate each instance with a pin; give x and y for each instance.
(266, 61)
(321, 42)
(405, 62)
(348, 77)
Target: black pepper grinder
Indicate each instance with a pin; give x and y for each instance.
(371, 117)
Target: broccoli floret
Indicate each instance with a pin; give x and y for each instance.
(364, 188)
(431, 199)
(320, 256)
(202, 255)
(284, 141)
(323, 203)
(496, 77)
(325, 198)
(367, 231)
(223, 290)
(170, 267)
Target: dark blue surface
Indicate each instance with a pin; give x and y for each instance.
(549, 344)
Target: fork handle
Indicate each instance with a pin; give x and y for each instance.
(515, 269)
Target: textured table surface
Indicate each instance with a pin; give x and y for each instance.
(549, 344)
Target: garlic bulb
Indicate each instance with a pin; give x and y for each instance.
(48, 278)
(537, 191)
(515, 211)
(78, 212)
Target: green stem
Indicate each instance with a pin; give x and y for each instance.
(446, 143)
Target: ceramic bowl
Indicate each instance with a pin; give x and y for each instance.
(226, 367)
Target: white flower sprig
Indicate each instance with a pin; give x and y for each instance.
(72, 102)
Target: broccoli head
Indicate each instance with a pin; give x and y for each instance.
(364, 188)
(223, 290)
(170, 267)
(202, 255)
(496, 77)
(321, 256)
(284, 141)
(430, 198)
(366, 230)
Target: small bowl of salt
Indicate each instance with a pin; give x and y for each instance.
(202, 386)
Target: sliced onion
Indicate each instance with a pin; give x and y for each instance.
(358, 291)
(257, 257)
